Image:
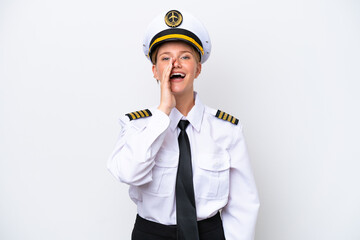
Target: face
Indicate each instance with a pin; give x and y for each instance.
(185, 67)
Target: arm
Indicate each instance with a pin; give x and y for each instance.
(132, 160)
(240, 214)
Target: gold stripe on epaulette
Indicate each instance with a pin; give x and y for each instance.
(132, 116)
(146, 114)
(227, 117)
(139, 114)
(233, 121)
(220, 115)
(230, 119)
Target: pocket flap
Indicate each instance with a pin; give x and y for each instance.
(167, 159)
(214, 162)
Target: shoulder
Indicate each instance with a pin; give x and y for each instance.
(139, 114)
(220, 117)
(224, 128)
(137, 119)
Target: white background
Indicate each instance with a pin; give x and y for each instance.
(290, 70)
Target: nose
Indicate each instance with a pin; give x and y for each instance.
(176, 63)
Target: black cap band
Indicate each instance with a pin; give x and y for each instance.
(176, 34)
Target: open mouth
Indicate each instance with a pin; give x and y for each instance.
(177, 75)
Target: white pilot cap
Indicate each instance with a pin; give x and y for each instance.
(177, 26)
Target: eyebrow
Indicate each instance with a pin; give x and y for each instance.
(186, 51)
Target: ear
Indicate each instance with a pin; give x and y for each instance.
(198, 69)
(154, 70)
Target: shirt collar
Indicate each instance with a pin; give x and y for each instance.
(195, 116)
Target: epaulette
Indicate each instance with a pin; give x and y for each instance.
(227, 117)
(139, 114)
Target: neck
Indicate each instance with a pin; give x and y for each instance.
(184, 103)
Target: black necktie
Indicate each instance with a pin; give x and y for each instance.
(185, 200)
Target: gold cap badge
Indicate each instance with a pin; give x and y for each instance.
(173, 18)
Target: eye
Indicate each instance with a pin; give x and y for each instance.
(165, 58)
(185, 57)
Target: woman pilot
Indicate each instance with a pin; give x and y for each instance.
(186, 163)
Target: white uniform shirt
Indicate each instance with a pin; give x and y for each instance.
(147, 154)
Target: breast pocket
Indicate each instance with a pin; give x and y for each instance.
(211, 178)
(163, 174)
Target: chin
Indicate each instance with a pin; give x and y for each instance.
(179, 88)
(176, 91)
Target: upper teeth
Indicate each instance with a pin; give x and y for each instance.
(180, 74)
